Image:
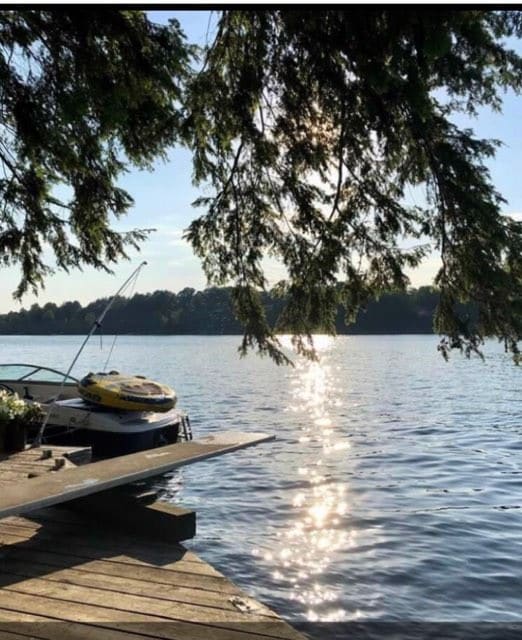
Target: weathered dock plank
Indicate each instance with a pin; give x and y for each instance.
(42, 628)
(12, 635)
(87, 582)
(89, 550)
(31, 463)
(80, 574)
(55, 488)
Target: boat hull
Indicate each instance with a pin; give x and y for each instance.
(109, 444)
(108, 432)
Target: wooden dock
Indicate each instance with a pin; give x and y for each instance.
(33, 463)
(56, 488)
(71, 571)
(64, 576)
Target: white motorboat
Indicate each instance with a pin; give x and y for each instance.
(72, 420)
(37, 383)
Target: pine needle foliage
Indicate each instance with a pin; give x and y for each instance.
(308, 128)
(84, 93)
(312, 127)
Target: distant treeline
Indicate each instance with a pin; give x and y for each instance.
(209, 312)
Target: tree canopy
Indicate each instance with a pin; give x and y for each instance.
(84, 93)
(309, 127)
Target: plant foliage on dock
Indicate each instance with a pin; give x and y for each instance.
(14, 409)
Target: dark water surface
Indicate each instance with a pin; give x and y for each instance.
(393, 491)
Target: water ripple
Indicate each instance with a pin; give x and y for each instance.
(392, 492)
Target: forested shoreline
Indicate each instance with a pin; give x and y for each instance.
(209, 312)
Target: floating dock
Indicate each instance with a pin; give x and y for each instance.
(73, 571)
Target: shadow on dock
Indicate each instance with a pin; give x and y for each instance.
(64, 576)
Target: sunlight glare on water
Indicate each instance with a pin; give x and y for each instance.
(392, 491)
(314, 533)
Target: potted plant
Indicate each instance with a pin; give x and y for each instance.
(15, 418)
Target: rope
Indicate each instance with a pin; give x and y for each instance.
(132, 284)
(96, 325)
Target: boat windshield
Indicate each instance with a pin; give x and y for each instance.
(34, 372)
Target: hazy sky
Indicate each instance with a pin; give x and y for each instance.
(162, 199)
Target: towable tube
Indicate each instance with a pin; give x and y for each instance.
(126, 392)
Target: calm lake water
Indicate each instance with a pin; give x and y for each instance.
(393, 490)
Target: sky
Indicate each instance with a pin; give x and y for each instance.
(163, 197)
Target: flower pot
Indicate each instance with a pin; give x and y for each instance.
(15, 436)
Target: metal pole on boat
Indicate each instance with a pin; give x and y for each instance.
(96, 325)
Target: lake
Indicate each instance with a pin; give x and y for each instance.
(393, 491)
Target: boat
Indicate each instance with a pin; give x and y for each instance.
(71, 420)
(37, 383)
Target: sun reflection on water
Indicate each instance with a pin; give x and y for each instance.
(315, 532)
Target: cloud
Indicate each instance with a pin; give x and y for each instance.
(172, 237)
(177, 263)
(516, 215)
(425, 273)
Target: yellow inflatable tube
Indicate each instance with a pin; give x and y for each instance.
(126, 392)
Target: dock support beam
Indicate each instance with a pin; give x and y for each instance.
(140, 513)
